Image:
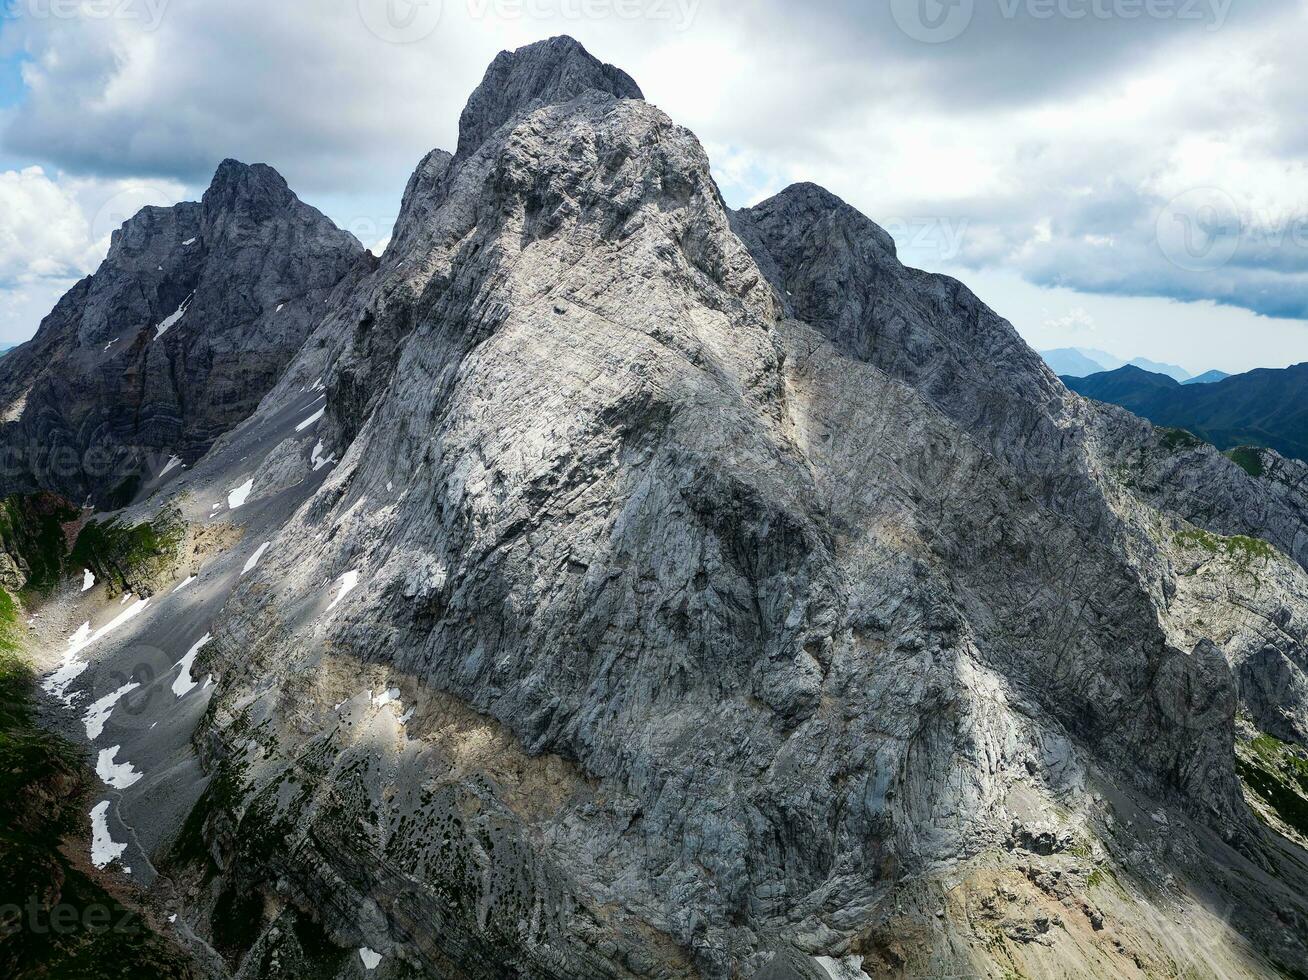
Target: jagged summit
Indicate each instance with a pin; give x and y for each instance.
(553, 70)
(255, 188)
(188, 321)
(711, 596)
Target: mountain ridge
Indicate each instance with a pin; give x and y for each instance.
(630, 587)
(1262, 407)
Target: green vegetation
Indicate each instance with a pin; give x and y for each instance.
(129, 559)
(1241, 550)
(32, 540)
(54, 920)
(1247, 458)
(1277, 773)
(1180, 439)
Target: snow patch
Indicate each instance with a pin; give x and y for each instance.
(183, 683)
(386, 697)
(189, 241)
(104, 848)
(88, 579)
(173, 463)
(237, 497)
(110, 344)
(173, 317)
(189, 579)
(119, 775)
(370, 959)
(57, 683)
(347, 582)
(99, 712)
(847, 968)
(254, 558)
(311, 419)
(317, 458)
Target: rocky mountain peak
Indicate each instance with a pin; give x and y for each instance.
(549, 71)
(758, 606)
(256, 188)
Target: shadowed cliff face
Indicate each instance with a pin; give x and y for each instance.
(190, 319)
(655, 591)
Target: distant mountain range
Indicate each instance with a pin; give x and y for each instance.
(1267, 407)
(1207, 378)
(1081, 362)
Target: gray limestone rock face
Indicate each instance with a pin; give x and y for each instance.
(543, 73)
(721, 587)
(705, 594)
(191, 318)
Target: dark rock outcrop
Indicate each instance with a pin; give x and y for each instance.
(190, 319)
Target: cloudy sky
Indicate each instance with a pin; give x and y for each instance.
(1120, 174)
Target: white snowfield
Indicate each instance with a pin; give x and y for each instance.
(58, 683)
(238, 496)
(104, 849)
(369, 958)
(310, 420)
(318, 459)
(254, 558)
(347, 584)
(184, 683)
(118, 775)
(88, 579)
(173, 317)
(99, 712)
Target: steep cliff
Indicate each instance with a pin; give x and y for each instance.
(634, 588)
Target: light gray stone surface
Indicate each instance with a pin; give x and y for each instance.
(728, 600)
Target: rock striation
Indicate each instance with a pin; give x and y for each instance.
(698, 593)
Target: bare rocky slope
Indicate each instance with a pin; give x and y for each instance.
(634, 588)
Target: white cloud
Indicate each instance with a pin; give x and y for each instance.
(53, 231)
(43, 232)
(1049, 146)
(1075, 320)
